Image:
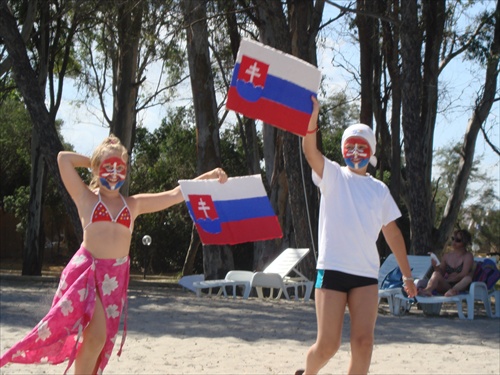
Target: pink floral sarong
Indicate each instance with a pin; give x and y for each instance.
(58, 336)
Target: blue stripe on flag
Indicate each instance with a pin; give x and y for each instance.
(241, 209)
(283, 92)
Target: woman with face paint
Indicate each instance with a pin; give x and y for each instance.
(82, 324)
(354, 208)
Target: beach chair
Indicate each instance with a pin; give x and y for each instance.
(276, 276)
(478, 291)
(233, 279)
(420, 265)
(187, 281)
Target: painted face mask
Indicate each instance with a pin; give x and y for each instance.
(112, 173)
(356, 152)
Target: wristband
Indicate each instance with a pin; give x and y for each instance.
(313, 131)
(408, 278)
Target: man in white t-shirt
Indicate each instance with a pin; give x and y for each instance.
(354, 208)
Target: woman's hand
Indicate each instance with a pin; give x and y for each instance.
(410, 288)
(220, 174)
(217, 173)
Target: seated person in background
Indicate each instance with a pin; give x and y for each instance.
(454, 274)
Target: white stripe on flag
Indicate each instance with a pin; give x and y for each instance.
(234, 188)
(282, 65)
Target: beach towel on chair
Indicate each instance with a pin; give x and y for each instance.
(486, 272)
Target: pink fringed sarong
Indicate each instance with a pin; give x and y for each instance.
(58, 336)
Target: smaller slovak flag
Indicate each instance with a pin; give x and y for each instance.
(235, 212)
(272, 86)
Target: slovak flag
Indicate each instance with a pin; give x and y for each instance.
(234, 212)
(272, 86)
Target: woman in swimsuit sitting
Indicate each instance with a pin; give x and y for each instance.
(83, 322)
(454, 274)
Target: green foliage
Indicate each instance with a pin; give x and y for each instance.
(17, 204)
(15, 139)
(482, 219)
(233, 152)
(159, 160)
(15, 167)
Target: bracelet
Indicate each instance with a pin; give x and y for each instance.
(408, 278)
(313, 131)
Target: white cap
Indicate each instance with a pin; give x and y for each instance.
(365, 132)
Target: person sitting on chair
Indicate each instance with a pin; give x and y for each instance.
(454, 274)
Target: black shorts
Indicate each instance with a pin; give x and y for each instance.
(342, 282)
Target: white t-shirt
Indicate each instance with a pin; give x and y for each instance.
(353, 209)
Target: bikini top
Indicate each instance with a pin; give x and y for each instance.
(101, 213)
(454, 270)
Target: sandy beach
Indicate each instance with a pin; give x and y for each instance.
(171, 331)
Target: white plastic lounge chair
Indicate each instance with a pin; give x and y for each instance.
(187, 281)
(478, 291)
(419, 264)
(277, 276)
(233, 279)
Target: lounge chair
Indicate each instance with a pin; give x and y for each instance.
(478, 291)
(187, 281)
(233, 279)
(276, 276)
(420, 265)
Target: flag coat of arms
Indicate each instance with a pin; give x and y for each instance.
(272, 86)
(235, 212)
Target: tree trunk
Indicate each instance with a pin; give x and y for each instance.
(34, 240)
(292, 193)
(217, 260)
(304, 204)
(273, 31)
(194, 245)
(125, 77)
(391, 39)
(366, 27)
(414, 130)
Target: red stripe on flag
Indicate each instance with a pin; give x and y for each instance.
(272, 113)
(235, 232)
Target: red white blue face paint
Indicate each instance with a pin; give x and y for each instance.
(356, 152)
(112, 173)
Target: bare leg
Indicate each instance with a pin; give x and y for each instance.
(458, 287)
(330, 309)
(363, 309)
(438, 282)
(94, 338)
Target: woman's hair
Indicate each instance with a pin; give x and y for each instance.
(466, 236)
(111, 143)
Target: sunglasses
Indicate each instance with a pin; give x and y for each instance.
(456, 239)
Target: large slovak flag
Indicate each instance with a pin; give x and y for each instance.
(234, 212)
(272, 86)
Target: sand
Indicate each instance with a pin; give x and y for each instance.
(171, 331)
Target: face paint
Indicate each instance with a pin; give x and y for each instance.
(356, 152)
(112, 173)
